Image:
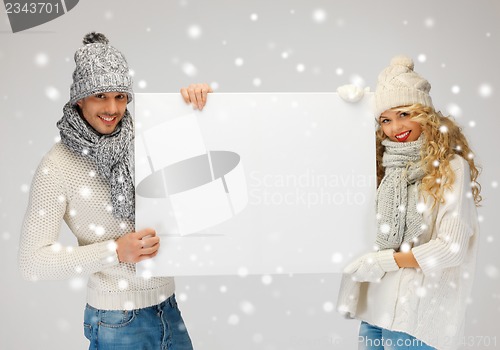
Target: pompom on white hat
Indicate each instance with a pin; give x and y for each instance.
(398, 85)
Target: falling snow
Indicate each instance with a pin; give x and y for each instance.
(292, 59)
(189, 69)
(247, 307)
(194, 32)
(337, 258)
(52, 93)
(319, 16)
(485, 90)
(233, 320)
(41, 59)
(429, 23)
(238, 62)
(454, 110)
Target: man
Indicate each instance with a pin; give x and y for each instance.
(87, 181)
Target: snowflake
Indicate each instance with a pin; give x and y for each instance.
(243, 271)
(257, 338)
(85, 192)
(52, 93)
(77, 283)
(266, 279)
(128, 305)
(421, 292)
(238, 62)
(108, 15)
(328, 306)
(247, 307)
(194, 31)
(454, 110)
(405, 247)
(454, 247)
(491, 271)
(429, 22)
(421, 207)
(189, 69)
(485, 90)
(319, 15)
(233, 320)
(385, 228)
(337, 258)
(41, 59)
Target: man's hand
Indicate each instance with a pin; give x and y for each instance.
(196, 94)
(137, 246)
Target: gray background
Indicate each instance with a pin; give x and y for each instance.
(286, 46)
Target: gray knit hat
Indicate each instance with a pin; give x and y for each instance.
(398, 85)
(99, 68)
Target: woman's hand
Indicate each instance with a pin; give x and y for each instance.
(137, 246)
(196, 94)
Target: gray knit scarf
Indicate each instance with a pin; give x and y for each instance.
(397, 195)
(112, 154)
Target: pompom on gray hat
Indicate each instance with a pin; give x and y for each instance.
(99, 68)
(398, 85)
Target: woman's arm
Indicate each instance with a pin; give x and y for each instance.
(456, 225)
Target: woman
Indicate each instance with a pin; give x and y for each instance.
(411, 292)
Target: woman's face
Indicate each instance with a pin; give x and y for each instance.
(399, 127)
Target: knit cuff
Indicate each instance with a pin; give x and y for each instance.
(386, 260)
(348, 297)
(107, 253)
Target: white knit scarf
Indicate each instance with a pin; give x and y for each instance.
(112, 154)
(397, 195)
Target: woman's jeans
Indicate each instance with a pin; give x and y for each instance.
(158, 327)
(376, 338)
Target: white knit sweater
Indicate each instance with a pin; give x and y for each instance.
(428, 303)
(66, 187)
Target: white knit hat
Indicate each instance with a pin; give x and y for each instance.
(398, 85)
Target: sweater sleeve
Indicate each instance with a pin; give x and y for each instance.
(456, 222)
(41, 256)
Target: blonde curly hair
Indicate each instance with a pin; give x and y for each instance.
(444, 140)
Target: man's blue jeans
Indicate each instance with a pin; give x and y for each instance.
(159, 327)
(376, 338)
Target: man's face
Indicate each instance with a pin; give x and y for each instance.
(103, 111)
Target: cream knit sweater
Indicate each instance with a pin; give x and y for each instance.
(428, 303)
(66, 187)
